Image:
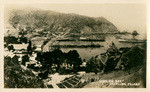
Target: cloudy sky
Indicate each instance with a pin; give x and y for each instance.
(125, 16)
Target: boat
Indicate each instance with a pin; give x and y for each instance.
(81, 39)
(132, 41)
(91, 39)
(77, 46)
(66, 39)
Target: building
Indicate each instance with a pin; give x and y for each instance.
(19, 47)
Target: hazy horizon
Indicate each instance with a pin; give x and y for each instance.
(126, 17)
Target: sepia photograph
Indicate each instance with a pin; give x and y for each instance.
(86, 45)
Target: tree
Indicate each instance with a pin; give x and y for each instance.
(134, 33)
(74, 59)
(5, 45)
(21, 33)
(15, 59)
(23, 40)
(93, 65)
(57, 54)
(11, 40)
(44, 43)
(25, 59)
(11, 47)
(46, 61)
(29, 48)
(57, 57)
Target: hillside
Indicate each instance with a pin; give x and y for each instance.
(136, 76)
(50, 21)
(131, 75)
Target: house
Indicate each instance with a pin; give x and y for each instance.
(38, 48)
(38, 40)
(83, 64)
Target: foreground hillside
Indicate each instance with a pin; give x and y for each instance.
(17, 76)
(50, 21)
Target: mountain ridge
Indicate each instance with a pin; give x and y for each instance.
(51, 21)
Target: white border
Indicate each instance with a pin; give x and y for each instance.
(2, 2)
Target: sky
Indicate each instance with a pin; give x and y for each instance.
(126, 17)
